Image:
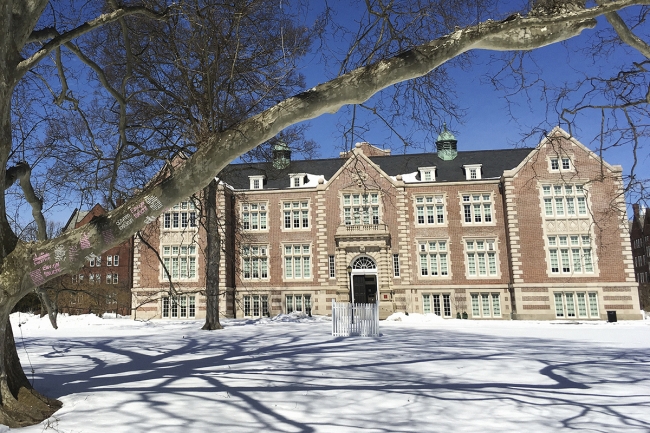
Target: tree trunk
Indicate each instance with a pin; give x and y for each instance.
(21, 404)
(212, 258)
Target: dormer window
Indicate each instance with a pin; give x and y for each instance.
(427, 174)
(473, 172)
(297, 179)
(256, 182)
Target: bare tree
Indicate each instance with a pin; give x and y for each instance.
(23, 49)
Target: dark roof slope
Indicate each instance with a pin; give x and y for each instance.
(494, 163)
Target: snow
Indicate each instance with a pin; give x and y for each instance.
(288, 374)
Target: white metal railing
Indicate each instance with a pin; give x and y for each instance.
(355, 319)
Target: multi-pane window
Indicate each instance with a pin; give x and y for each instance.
(181, 306)
(396, 271)
(299, 303)
(564, 200)
(179, 261)
(94, 261)
(432, 304)
(296, 215)
(570, 305)
(361, 208)
(255, 262)
(112, 278)
(332, 268)
(570, 254)
(113, 260)
(564, 163)
(256, 305)
(477, 208)
(180, 216)
(433, 258)
(254, 216)
(486, 305)
(297, 261)
(481, 257)
(430, 209)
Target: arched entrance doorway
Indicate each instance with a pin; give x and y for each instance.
(364, 280)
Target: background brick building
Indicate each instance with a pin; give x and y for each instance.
(640, 241)
(519, 233)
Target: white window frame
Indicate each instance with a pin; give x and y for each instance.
(473, 171)
(256, 305)
(361, 208)
(254, 216)
(564, 200)
(178, 307)
(296, 214)
(560, 163)
(430, 210)
(481, 258)
(434, 258)
(180, 217)
(255, 262)
(332, 267)
(181, 261)
(396, 266)
(427, 174)
(438, 304)
(486, 305)
(567, 305)
(478, 207)
(256, 182)
(297, 262)
(571, 254)
(297, 180)
(298, 302)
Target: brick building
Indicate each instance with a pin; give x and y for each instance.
(502, 234)
(103, 284)
(640, 240)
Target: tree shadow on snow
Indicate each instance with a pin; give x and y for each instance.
(290, 377)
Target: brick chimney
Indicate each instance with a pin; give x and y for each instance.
(635, 208)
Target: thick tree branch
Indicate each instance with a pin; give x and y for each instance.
(22, 172)
(624, 32)
(103, 19)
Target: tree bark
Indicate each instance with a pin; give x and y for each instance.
(213, 257)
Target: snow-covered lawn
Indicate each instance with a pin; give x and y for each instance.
(288, 374)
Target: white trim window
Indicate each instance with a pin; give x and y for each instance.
(180, 262)
(332, 267)
(178, 307)
(430, 210)
(433, 258)
(566, 200)
(431, 304)
(297, 261)
(477, 208)
(254, 216)
(557, 164)
(297, 303)
(571, 305)
(112, 278)
(396, 270)
(361, 208)
(481, 258)
(486, 305)
(256, 182)
(255, 262)
(296, 214)
(472, 171)
(570, 254)
(427, 174)
(256, 305)
(180, 217)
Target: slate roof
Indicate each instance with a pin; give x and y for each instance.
(494, 163)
